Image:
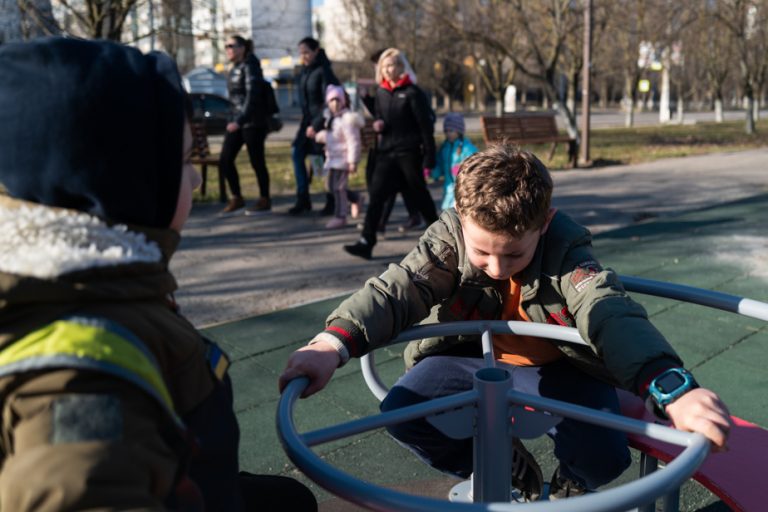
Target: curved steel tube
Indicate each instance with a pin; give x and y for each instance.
(709, 298)
(374, 497)
(625, 497)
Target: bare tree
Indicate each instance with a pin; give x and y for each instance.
(709, 55)
(98, 19)
(175, 32)
(529, 34)
(27, 19)
(746, 20)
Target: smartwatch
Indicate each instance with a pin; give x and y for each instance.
(667, 387)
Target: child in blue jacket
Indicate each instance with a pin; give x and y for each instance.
(453, 151)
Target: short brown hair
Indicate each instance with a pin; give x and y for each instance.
(504, 189)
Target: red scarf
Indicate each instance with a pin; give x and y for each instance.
(402, 82)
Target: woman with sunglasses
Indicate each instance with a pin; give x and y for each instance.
(249, 126)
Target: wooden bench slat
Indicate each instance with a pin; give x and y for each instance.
(525, 128)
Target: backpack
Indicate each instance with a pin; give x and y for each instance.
(274, 123)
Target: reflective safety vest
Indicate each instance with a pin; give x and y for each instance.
(89, 343)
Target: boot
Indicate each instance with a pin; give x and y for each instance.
(330, 205)
(361, 249)
(303, 204)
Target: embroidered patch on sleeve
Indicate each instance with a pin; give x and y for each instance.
(584, 273)
(79, 418)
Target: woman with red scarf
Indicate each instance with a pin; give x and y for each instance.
(406, 147)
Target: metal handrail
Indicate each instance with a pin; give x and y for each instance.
(625, 497)
(718, 300)
(632, 495)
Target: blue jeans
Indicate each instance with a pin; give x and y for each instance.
(299, 158)
(589, 455)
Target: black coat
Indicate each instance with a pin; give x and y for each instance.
(408, 122)
(247, 92)
(313, 80)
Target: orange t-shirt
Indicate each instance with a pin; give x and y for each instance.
(516, 349)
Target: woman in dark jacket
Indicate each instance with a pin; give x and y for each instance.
(247, 93)
(316, 75)
(406, 147)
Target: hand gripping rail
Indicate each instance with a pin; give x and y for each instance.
(492, 468)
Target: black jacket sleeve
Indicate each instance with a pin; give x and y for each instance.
(421, 111)
(254, 92)
(327, 78)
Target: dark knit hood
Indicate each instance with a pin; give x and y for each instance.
(93, 126)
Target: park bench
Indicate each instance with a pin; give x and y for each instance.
(527, 128)
(201, 155)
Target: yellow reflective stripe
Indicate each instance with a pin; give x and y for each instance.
(86, 341)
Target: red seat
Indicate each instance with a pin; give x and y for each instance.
(737, 476)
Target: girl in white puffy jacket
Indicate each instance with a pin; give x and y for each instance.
(342, 149)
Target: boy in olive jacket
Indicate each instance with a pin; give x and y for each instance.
(504, 253)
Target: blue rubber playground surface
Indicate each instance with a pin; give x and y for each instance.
(722, 248)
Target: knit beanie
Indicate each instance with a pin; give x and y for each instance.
(453, 121)
(93, 126)
(335, 92)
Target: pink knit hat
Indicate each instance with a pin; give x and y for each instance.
(335, 92)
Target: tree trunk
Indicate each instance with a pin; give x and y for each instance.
(603, 103)
(629, 102)
(718, 110)
(664, 114)
(750, 111)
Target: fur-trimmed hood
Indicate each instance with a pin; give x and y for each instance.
(45, 243)
(55, 254)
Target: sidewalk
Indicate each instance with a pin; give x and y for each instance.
(238, 267)
(721, 247)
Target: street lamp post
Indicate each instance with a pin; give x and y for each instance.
(586, 96)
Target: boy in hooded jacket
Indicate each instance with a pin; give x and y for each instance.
(111, 400)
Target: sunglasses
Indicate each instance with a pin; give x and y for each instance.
(232, 46)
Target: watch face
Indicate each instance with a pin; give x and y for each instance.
(669, 382)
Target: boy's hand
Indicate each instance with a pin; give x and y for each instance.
(378, 126)
(700, 410)
(351, 168)
(317, 361)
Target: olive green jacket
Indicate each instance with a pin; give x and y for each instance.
(564, 285)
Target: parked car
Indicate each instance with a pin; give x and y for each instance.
(213, 111)
(202, 79)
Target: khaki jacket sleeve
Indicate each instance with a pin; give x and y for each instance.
(616, 327)
(402, 296)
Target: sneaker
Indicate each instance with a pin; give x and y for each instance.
(234, 206)
(414, 222)
(263, 205)
(526, 473)
(361, 249)
(336, 223)
(356, 207)
(561, 487)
